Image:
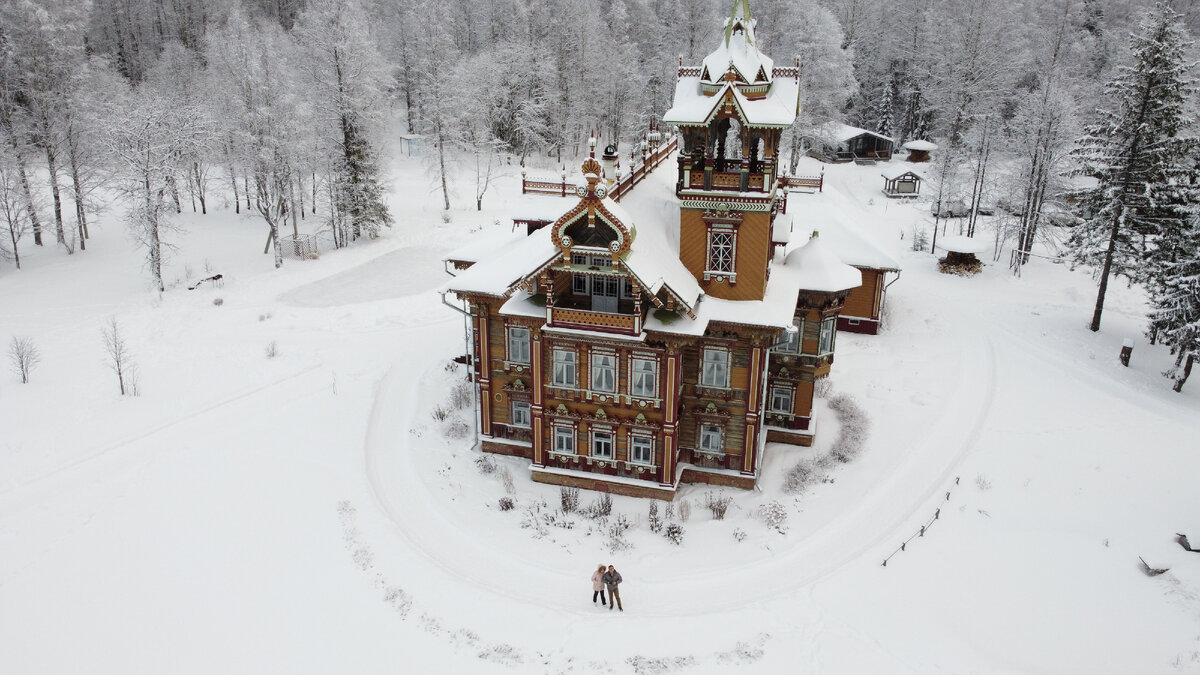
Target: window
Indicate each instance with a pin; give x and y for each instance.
(564, 440)
(520, 414)
(626, 290)
(604, 372)
(602, 444)
(579, 282)
(795, 340)
(720, 251)
(643, 378)
(518, 344)
(781, 400)
(641, 450)
(711, 439)
(714, 370)
(564, 368)
(828, 333)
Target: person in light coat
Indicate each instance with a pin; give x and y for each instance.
(612, 579)
(598, 584)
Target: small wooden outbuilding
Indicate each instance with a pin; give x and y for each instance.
(900, 181)
(843, 143)
(918, 151)
(411, 144)
(960, 255)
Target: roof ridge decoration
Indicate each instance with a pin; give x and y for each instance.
(745, 21)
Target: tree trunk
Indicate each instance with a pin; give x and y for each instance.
(1187, 371)
(12, 234)
(1108, 260)
(246, 184)
(80, 213)
(52, 167)
(237, 199)
(34, 221)
(200, 187)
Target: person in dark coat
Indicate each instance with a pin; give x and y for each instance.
(598, 585)
(612, 579)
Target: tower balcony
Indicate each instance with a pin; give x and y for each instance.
(717, 175)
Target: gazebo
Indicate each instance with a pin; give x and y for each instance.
(918, 151)
(960, 255)
(900, 181)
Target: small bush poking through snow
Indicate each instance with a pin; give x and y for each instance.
(569, 499)
(799, 477)
(674, 533)
(739, 534)
(507, 480)
(823, 388)
(601, 508)
(656, 523)
(616, 534)
(774, 515)
(920, 240)
(218, 301)
(439, 413)
(718, 504)
(685, 510)
(669, 513)
(854, 424)
(457, 428)
(446, 216)
(982, 483)
(23, 355)
(506, 504)
(485, 464)
(272, 349)
(460, 396)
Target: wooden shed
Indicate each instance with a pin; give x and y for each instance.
(843, 143)
(900, 181)
(918, 151)
(411, 144)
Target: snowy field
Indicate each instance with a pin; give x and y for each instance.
(308, 513)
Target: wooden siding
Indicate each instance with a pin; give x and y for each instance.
(753, 253)
(864, 301)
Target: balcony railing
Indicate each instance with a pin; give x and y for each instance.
(566, 317)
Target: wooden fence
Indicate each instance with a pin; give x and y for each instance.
(625, 180)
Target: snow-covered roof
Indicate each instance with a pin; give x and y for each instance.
(960, 244)
(692, 106)
(781, 229)
(920, 146)
(817, 268)
(503, 268)
(542, 207)
(484, 243)
(853, 246)
(738, 48)
(894, 171)
(840, 133)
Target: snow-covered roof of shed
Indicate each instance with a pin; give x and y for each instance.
(542, 207)
(894, 171)
(817, 268)
(920, 146)
(836, 131)
(484, 243)
(853, 246)
(960, 244)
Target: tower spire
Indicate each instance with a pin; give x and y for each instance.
(737, 18)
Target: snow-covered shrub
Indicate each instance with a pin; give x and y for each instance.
(799, 477)
(920, 239)
(718, 504)
(506, 504)
(569, 499)
(272, 349)
(446, 216)
(601, 508)
(685, 510)
(23, 355)
(656, 523)
(218, 301)
(854, 425)
(674, 533)
(669, 513)
(439, 413)
(739, 534)
(457, 428)
(823, 388)
(460, 395)
(982, 483)
(616, 534)
(485, 464)
(507, 480)
(774, 515)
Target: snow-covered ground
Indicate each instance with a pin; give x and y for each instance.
(308, 514)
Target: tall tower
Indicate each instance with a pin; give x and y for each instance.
(731, 111)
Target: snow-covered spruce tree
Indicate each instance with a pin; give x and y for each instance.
(1175, 297)
(350, 79)
(1137, 149)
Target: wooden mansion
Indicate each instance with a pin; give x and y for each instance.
(614, 359)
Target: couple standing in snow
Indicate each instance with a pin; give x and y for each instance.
(607, 577)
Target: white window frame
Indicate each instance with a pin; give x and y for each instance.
(519, 350)
(720, 371)
(788, 393)
(703, 440)
(579, 282)
(728, 265)
(556, 362)
(564, 437)
(528, 414)
(828, 336)
(637, 375)
(797, 345)
(595, 359)
(605, 436)
(648, 448)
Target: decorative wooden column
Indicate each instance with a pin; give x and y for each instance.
(536, 409)
(671, 380)
(484, 363)
(753, 405)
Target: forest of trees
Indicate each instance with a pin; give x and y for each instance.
(283, 108)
